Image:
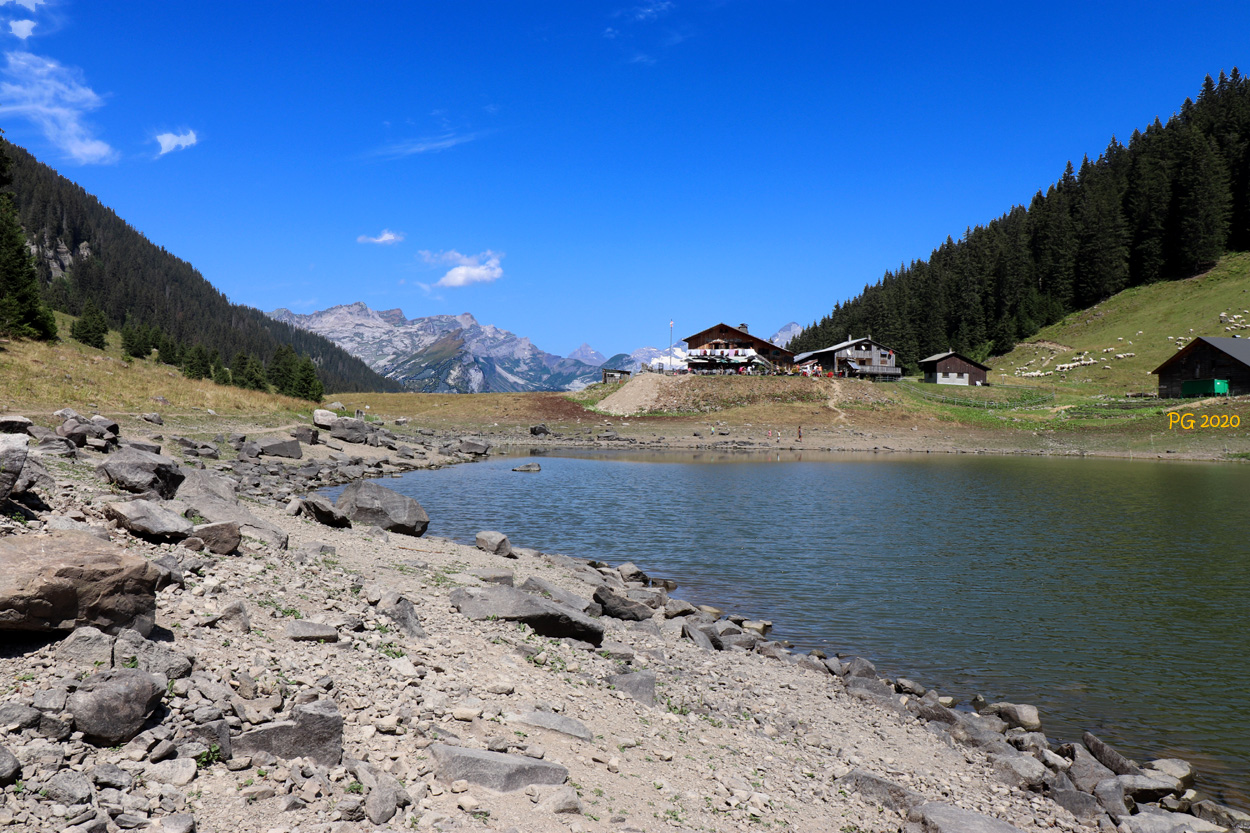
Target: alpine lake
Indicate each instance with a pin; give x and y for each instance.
(1112, 594)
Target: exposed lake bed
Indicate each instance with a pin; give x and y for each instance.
(1108, 592)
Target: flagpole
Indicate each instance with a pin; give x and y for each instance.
(670, 345)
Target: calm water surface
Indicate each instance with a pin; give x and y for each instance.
(1112, 594)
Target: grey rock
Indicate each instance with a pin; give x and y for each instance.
(1162, 821)
(402, 612)
(153, 418)
(1019, 770)
(314, 731)
(1110, 794)
(1177, 768)
(14, 424)
(869, 685)
(1108, 757)
(306, 434)
(233, 618)
(489, 576)
(59, 523)
(860, 667)
(473, 445)
(324, 512)
(544, 616)
(199, 484)
(323, 418)
(10, 767)
(110, 775)
(348, 429)
(678, 607)
(1080, 804)
(879, 790)
(1210, 811)
(539, 430)
(528, 467)
(19, 716)
(149, 520)
(111, 706)
(67, 579)
(542, 587)
(142, 471)
(178, 823)
(366, 502)
(34, 478)
(555, 722)
(493, 770)
(215, 510)
(1018, 716)
(86, 647)
(301, 630)
(640, 685)
(620, 607)
(133, 651)
(280, 447)
(13, 451)
(562, 800)
(936, 817)
(70, 788)
(696, 635)
(1144, 788)
(221, 538)
(1086, 772)
(177, 772)
(495, 543)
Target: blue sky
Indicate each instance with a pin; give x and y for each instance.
(581, 171)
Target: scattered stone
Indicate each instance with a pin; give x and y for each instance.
(324, 512)
(149, 520)
(141, 471)
(528, 467)
(13, 451)
(639, 685)
(545, 617)
(562, 800)
(1108, 757)
(315, 731)
(620, 607)
(301, 630)
(555, 722)
(495, 543)
(944, 818)
(221, 538)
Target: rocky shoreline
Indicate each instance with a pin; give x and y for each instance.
(199, 643)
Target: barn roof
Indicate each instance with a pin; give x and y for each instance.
(1238, 348)
(839, 346)
(937, 357)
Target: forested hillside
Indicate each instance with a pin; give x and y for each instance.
(138, 284)
(1165, 207)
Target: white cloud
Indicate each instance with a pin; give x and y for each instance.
(650, 11)
(29, 5)
(22, 28)
(468, 269)
(432, 144)
(53, 98)
(176, 141)
(386, 238)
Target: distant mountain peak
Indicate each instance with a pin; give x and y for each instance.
(589, 355)
(786, 334)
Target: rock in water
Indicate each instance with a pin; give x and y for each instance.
(111, 706)
(368, 503)
(68, 579)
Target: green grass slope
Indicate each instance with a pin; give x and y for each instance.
(1151, 322)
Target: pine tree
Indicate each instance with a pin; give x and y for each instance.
(1203, 201)
(308, 386)
(22, 312)
(283, 370)
(91, 328)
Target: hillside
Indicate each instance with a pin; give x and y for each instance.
(1166, 206)
(1149, 322)
(85, 251)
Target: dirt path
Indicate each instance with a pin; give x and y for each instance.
(639, 394)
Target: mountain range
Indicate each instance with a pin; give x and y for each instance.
(443, 353)
(456, 354)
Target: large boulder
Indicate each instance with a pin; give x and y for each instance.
(495, 543)
(639, 685)
(348, 429)
(314, 731)
(365, 502)
(619, 607)
(936, 817)
(34, 478)
(199, 484)
(324, 512)
(67, 579)
(220, 538)
(280, 447)
(211, 498)
(493, 770)
(110, 707)
(149, 520)
(142, 471)
(323, 418)
(13, 450)
(545, 617)
(14, 424)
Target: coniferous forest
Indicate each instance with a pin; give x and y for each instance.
(159, 301)
(1164, 207)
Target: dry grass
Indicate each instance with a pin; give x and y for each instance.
(38, 378)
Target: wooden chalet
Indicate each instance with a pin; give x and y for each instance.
(856, 357)
(612, 376)
(951, 368)
(1199, 367)
(726, 349)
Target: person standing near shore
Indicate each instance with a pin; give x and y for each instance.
(800, 433)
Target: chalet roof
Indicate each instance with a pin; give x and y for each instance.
(842, 345)
(937, 357)
(754, 339)
(1238, 348)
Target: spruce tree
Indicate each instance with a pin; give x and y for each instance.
(91, 328)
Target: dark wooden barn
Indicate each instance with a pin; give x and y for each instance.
(951, 368)
(1206, 359)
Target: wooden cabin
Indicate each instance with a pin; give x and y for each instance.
(951, 368)
(615, 376)
(726, 349)
(1196, 367)
(856, 357)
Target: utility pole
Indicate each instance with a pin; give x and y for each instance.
(670, 345)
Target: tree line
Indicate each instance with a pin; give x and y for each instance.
(1166, 206)
(134, 282)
